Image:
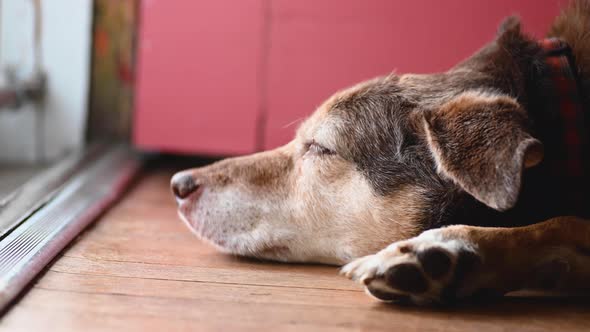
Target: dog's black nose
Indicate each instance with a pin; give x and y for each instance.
(183, 185)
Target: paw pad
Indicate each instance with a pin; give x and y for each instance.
(436, 263)
(422, 270)
(406, 277)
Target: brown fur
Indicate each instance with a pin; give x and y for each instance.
(464, 135)
(573, 26)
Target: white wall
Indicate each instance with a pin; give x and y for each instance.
(29, 134)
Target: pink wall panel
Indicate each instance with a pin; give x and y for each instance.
(320, 46)
(198, 65)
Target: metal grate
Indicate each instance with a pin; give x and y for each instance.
(40, 189)
(31, 246)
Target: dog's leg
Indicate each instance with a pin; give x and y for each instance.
(459, 262)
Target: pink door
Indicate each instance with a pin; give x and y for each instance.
(198, 66)
(320, 46)
(230, 77)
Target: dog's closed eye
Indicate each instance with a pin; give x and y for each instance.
(315, 148)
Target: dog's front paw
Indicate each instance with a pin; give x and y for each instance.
(433, 267)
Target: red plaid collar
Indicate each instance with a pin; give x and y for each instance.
(567, 106)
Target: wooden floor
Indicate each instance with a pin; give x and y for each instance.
(139, 269)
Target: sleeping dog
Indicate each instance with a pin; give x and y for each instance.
(431, 188)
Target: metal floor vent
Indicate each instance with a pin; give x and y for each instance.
(26, 250)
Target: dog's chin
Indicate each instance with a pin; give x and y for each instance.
(220, 243)
(236, 243)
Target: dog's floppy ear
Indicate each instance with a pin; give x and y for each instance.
(480, 141)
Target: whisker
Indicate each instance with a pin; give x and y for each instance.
(292, 122)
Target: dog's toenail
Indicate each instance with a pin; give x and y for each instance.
(405, 248)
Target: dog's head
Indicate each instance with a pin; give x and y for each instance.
(378, 162)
